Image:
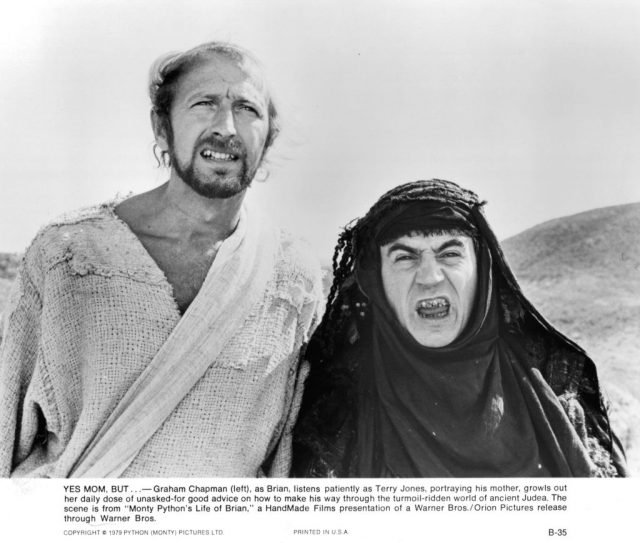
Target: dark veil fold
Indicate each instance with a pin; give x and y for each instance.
(379, 404)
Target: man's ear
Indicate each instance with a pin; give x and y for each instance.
(159, 131)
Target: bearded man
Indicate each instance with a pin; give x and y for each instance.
(430, 362)
(159, 335)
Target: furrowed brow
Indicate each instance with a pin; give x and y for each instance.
(397, 246)
(205, 96)
(448, 244)
(247, 97)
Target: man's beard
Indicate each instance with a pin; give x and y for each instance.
(219, 182)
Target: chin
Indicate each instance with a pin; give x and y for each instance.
(434, 340)
(433, 343)
(220, 188)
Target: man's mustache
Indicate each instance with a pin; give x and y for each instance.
(230, 145)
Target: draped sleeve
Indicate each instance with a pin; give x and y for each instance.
(20, 351)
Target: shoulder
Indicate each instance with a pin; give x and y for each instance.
(90, 240)
(53, 240)
(82, 216)
(86, 220)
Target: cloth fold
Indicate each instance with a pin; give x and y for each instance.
(455, 410)
(235, 282)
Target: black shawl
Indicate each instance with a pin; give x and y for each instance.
(510, 397)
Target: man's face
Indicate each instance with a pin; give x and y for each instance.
(430, 283)
(218, 127)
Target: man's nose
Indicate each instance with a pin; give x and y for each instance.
(224, 122)
(429, 272)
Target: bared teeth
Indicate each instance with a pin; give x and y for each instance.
(433, 308)
(214, 155)
(432, 303)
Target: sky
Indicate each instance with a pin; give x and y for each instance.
(535, 105)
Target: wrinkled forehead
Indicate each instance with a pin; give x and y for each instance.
(227, 69)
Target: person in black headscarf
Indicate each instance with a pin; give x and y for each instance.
(430, 362)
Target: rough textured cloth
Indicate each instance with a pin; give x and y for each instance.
(89, 311)
(235, 282)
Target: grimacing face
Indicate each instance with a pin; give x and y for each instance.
(218, 127)
(430, 283)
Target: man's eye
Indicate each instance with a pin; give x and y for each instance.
(206, 103)
(450, 254)
(403, 258)
(248, 108)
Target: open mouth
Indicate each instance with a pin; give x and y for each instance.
(433, 308)
(217, 156)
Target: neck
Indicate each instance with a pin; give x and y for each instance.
(189, 212)
(174, 211)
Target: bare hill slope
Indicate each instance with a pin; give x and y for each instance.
(583, 273)
(8, 268)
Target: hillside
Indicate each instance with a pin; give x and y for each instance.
(583, 273)
(8, 267)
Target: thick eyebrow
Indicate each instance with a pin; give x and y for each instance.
(449, 243)
(399, 246)
(216, 97)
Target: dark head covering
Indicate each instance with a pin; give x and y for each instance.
(510, 396)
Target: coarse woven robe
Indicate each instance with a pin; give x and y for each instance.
(90, 310)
